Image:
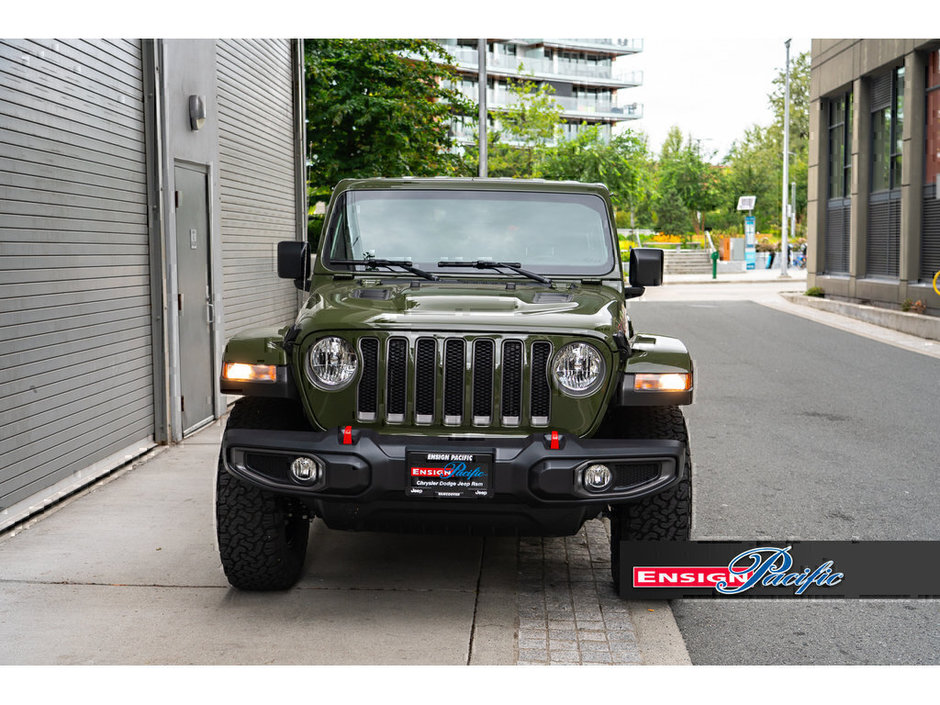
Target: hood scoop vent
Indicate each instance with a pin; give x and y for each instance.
(373, 294)
(551, 297)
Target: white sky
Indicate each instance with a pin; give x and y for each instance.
(712, 88)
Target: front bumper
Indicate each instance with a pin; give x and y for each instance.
(535, 484)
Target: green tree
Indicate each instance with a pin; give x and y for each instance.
(623, 164)
(378, 107)
(520, 131)
(799, 102)
(686, 181)
(799, 131)
(752, 169)
(755, 162)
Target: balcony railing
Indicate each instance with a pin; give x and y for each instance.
(554, 68)
(628, 45)
(570, 105)
(466, 133)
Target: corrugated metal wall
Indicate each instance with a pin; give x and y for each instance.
(258, 203)
(838, 214)
(75, 329)
(884, 234)
(930, 235)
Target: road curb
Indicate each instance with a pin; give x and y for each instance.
(657, 633)
(848, 324)
(918, 325)
(493, 634)
(672, 280)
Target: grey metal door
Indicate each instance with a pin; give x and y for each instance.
(194, 306)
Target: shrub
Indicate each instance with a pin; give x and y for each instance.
(671, 239)
(314, 226)
(815, 291)
(764, 245)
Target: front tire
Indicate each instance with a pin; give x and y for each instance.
(262, 536)
(666, 516)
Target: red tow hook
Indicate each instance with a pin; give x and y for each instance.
(554, 442)
(347, 436)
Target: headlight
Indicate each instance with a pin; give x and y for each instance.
(579, 369)
(331, 363)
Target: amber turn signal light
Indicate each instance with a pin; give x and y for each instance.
(669, 382)
(240, 372)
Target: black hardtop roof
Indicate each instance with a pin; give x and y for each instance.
(473, 184)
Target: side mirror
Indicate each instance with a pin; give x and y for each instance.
(646, 266)
(293, 261)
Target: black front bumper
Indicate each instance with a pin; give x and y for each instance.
(535, 488)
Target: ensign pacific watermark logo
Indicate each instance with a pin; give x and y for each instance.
(451, 470)
(669, 570)
(684, 576)
(769, 566)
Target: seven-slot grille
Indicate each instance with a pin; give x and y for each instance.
(454, 382)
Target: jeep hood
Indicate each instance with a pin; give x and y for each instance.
(452, 305)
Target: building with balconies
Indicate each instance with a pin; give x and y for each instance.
(586, 79)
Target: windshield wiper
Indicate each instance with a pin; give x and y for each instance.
(489, 264)
(372, 263)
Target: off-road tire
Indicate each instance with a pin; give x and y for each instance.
(262, 536)
(666, 516)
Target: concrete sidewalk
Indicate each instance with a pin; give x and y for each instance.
(795, 276)
(127, 572)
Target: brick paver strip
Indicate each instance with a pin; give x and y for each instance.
(568, 610)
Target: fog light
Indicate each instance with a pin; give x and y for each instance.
(598, 478)
(305, 470)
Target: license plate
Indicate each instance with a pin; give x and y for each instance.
(451, 475)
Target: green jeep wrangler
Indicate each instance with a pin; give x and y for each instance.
(464, 363)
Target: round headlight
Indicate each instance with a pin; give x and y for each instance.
(579, 369)
(331, 363)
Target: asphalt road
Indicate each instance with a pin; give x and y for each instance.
(802, 431)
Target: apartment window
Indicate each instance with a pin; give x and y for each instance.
(838, 206)
(884, 204)
(886, 128)
(840, 145)
(930, 232)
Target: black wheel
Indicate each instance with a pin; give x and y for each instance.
(666, 516)
(262, 536)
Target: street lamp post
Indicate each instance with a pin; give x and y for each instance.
(784, 254)
(793, 209)
(481, 50)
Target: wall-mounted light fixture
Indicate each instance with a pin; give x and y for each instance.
(197, 111)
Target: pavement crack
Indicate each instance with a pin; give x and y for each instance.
(320, 588)
(476, 601)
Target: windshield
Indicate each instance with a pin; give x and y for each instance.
(547, 233)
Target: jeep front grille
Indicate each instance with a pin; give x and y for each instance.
(396, 379)
(425, 387)
(428, 380)
(368, 382)
(483, 359)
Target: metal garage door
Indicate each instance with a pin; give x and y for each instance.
(75, 329)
